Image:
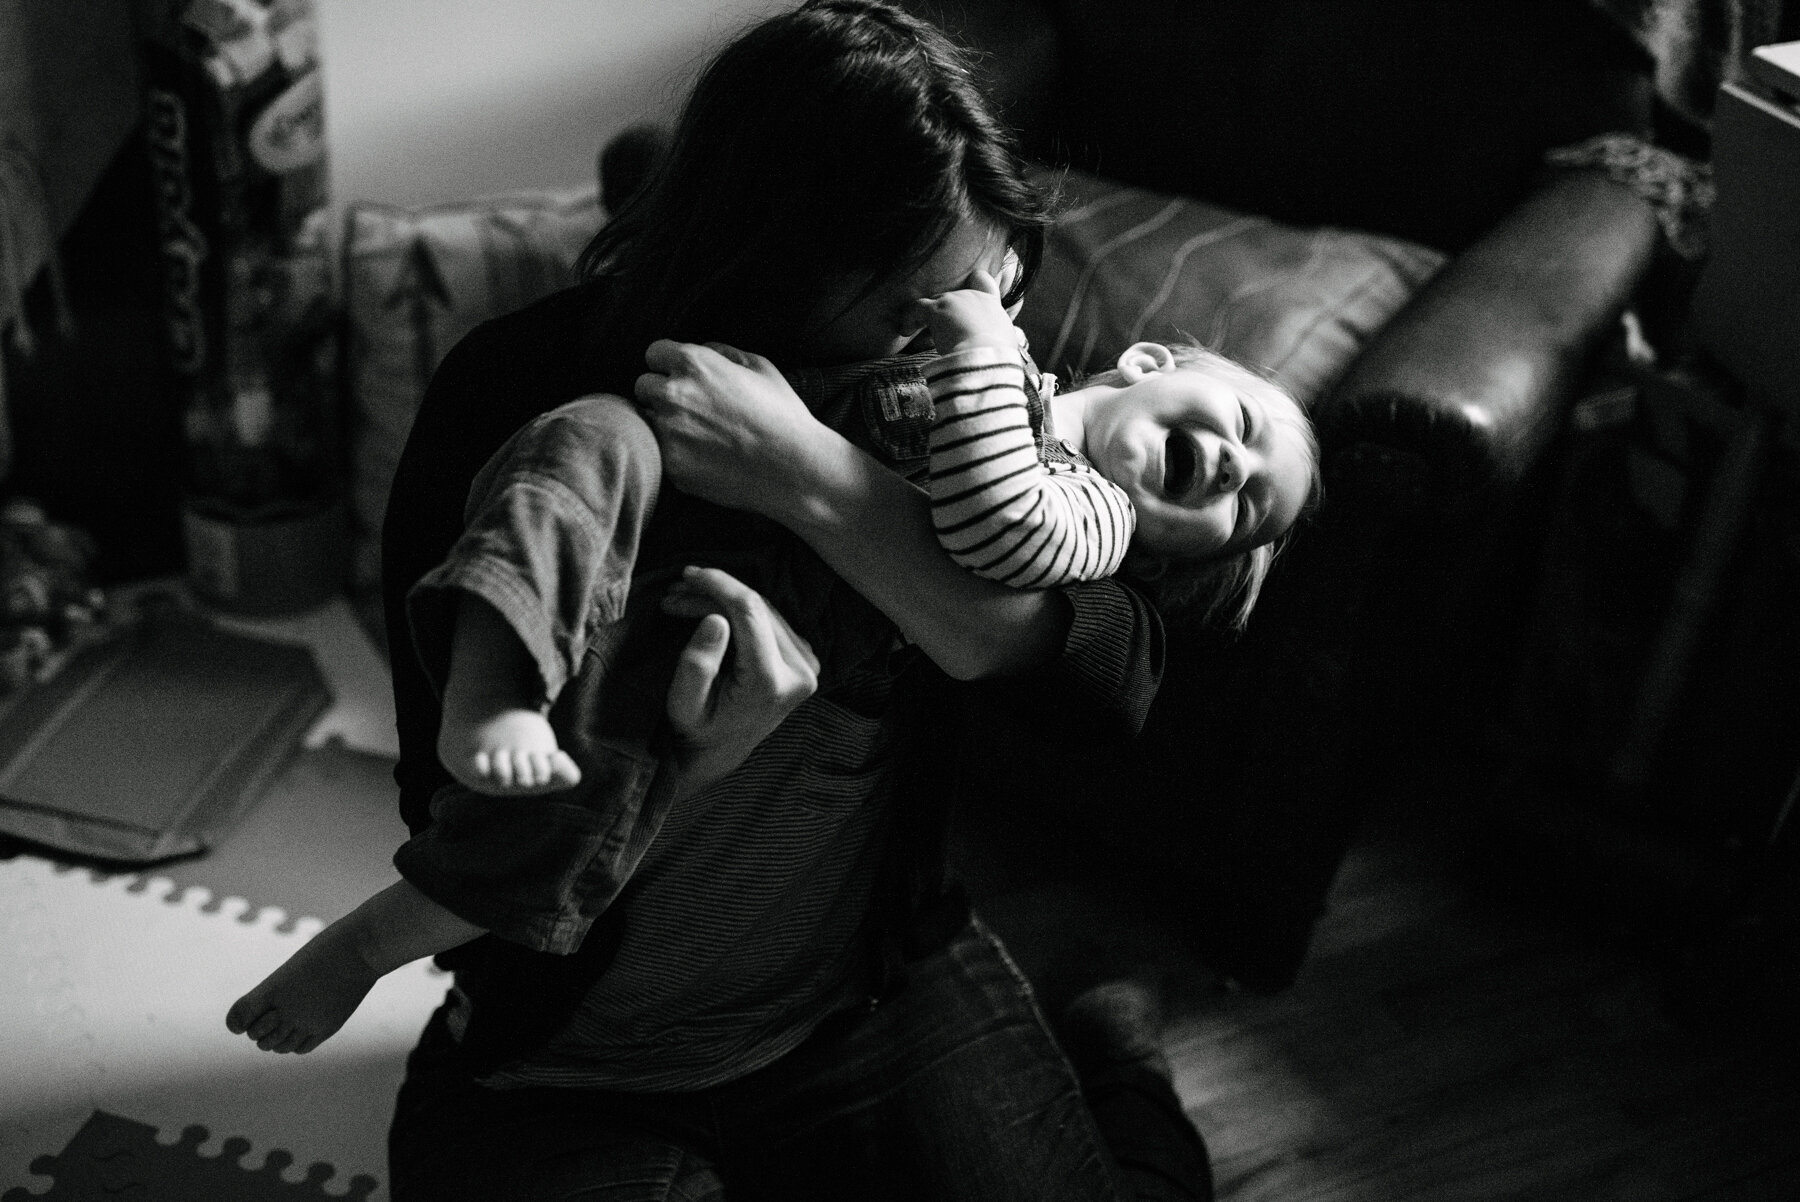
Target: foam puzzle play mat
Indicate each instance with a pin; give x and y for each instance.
(118, 1079)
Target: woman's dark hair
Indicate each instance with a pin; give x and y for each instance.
(844, 138)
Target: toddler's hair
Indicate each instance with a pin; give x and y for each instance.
(1221, 589)
(842, 139)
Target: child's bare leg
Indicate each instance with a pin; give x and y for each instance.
(303, 1003)
(494, 737)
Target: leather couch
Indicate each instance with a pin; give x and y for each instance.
(1386, 630)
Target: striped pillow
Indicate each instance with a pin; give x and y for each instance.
(1124, 265)
(415, 281)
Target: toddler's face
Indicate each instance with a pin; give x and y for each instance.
(1211, 467)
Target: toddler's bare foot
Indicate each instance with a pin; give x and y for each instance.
(303, 1003)
(511, 753)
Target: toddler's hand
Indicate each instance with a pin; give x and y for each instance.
(969, 316)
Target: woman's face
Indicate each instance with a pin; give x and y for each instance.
(884, 322)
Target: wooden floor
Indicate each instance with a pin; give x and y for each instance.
(1447, 1043)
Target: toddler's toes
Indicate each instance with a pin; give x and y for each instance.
(260, 1027)
(562, 772)
(512, 771)
(238, 1018)
(274, 1038)
(530, 772)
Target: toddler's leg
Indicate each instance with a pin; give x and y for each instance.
(304, 1002)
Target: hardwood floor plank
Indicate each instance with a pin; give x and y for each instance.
(1443, 1044)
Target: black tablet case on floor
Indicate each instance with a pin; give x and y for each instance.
(153, 743)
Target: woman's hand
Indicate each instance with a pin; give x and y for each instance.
(731, 428)
(743, 671)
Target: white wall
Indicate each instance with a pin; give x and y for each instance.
(436, 100)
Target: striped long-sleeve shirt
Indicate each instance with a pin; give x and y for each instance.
(1002, 506)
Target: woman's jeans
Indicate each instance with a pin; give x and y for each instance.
(953, 1089)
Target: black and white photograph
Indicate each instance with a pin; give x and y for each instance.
(899, 600)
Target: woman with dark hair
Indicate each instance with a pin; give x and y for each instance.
(729, 963)
(818, 149)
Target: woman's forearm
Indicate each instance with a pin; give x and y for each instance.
(874, 529)
(733, 431)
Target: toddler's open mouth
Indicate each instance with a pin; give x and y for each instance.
(1181, 464)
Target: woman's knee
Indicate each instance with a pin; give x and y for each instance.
(453, 1139)
(561, 1165)
(629, 1167)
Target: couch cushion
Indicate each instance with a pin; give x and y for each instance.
(415, 281)
(1125, 264)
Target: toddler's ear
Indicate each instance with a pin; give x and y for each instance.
(1143, 359)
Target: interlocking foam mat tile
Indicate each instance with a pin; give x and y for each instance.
(117, 1076)
(320, 841)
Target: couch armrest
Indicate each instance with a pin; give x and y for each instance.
(1461, 392)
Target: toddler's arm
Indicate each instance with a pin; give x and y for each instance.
(999, 510)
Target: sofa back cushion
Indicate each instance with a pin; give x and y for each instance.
(1126, 264)
(415, 281)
